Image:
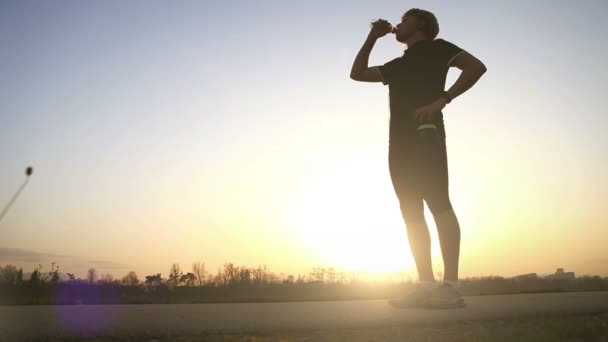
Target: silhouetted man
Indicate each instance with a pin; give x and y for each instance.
(418, 168)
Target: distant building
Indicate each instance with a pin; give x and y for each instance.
(560, 274)
(526, 276)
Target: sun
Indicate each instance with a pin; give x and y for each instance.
(351, 224)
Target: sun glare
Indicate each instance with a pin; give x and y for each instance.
(350, 224)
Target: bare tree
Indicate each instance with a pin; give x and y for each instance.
(199, 271)
(317, 274)
(290, 280)
(229, 273)
(331, 275)
(220, 278)
(106, 278)
(175, 274)
(245, 275)
(91, 275)
(209, 279)
(130, 279)
(55, 275)
(271, 278)
(258, 274)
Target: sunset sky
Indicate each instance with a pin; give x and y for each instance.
(164, 132)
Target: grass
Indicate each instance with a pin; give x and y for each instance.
(554, 328)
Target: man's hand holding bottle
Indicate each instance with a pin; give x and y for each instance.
(380, 28)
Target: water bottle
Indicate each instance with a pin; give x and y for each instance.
(393, 28)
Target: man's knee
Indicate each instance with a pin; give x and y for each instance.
(412, 211)
(414, 219)
(446, 221)
(439, 205)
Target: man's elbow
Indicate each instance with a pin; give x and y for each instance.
(354, 76)
(481, 68)
(477, 69)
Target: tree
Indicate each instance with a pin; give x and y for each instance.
(261, 275)
(106, 278)
(20, 277)
(130, 279)
(331, 275)
(153, 280)
(317, 274)
(35, 277)
(245, 275)
(189, 279)
(55, 277)
(91, 275)
(9, 274)
(54, 274)
(199, 271)
(220, 278)
(175, 274)
(290, 280)
(230, 273)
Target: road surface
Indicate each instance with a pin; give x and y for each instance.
(190, 319)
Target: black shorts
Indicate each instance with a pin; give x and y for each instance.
(419, 171)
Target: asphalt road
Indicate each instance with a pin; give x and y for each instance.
(122, 320)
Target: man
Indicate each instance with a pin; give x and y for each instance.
(418, 169)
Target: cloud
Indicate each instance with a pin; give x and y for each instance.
(597, 261)
(16, 254)
(106, 264)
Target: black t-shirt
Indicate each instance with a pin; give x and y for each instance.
(414, 80)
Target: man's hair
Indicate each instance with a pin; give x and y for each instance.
(431, 26)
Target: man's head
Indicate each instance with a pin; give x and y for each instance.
(417, 22)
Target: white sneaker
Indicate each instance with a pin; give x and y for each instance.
(445, 296)
(412, 299)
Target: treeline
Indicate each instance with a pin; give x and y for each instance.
(234, 283)
(231, 283)
(229, 274)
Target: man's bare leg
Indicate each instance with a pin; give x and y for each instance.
(420, 244)
(448, 230)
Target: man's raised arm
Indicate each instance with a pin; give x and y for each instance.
(360, 71)
(472, 69)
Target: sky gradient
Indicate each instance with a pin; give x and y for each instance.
(165, 132)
